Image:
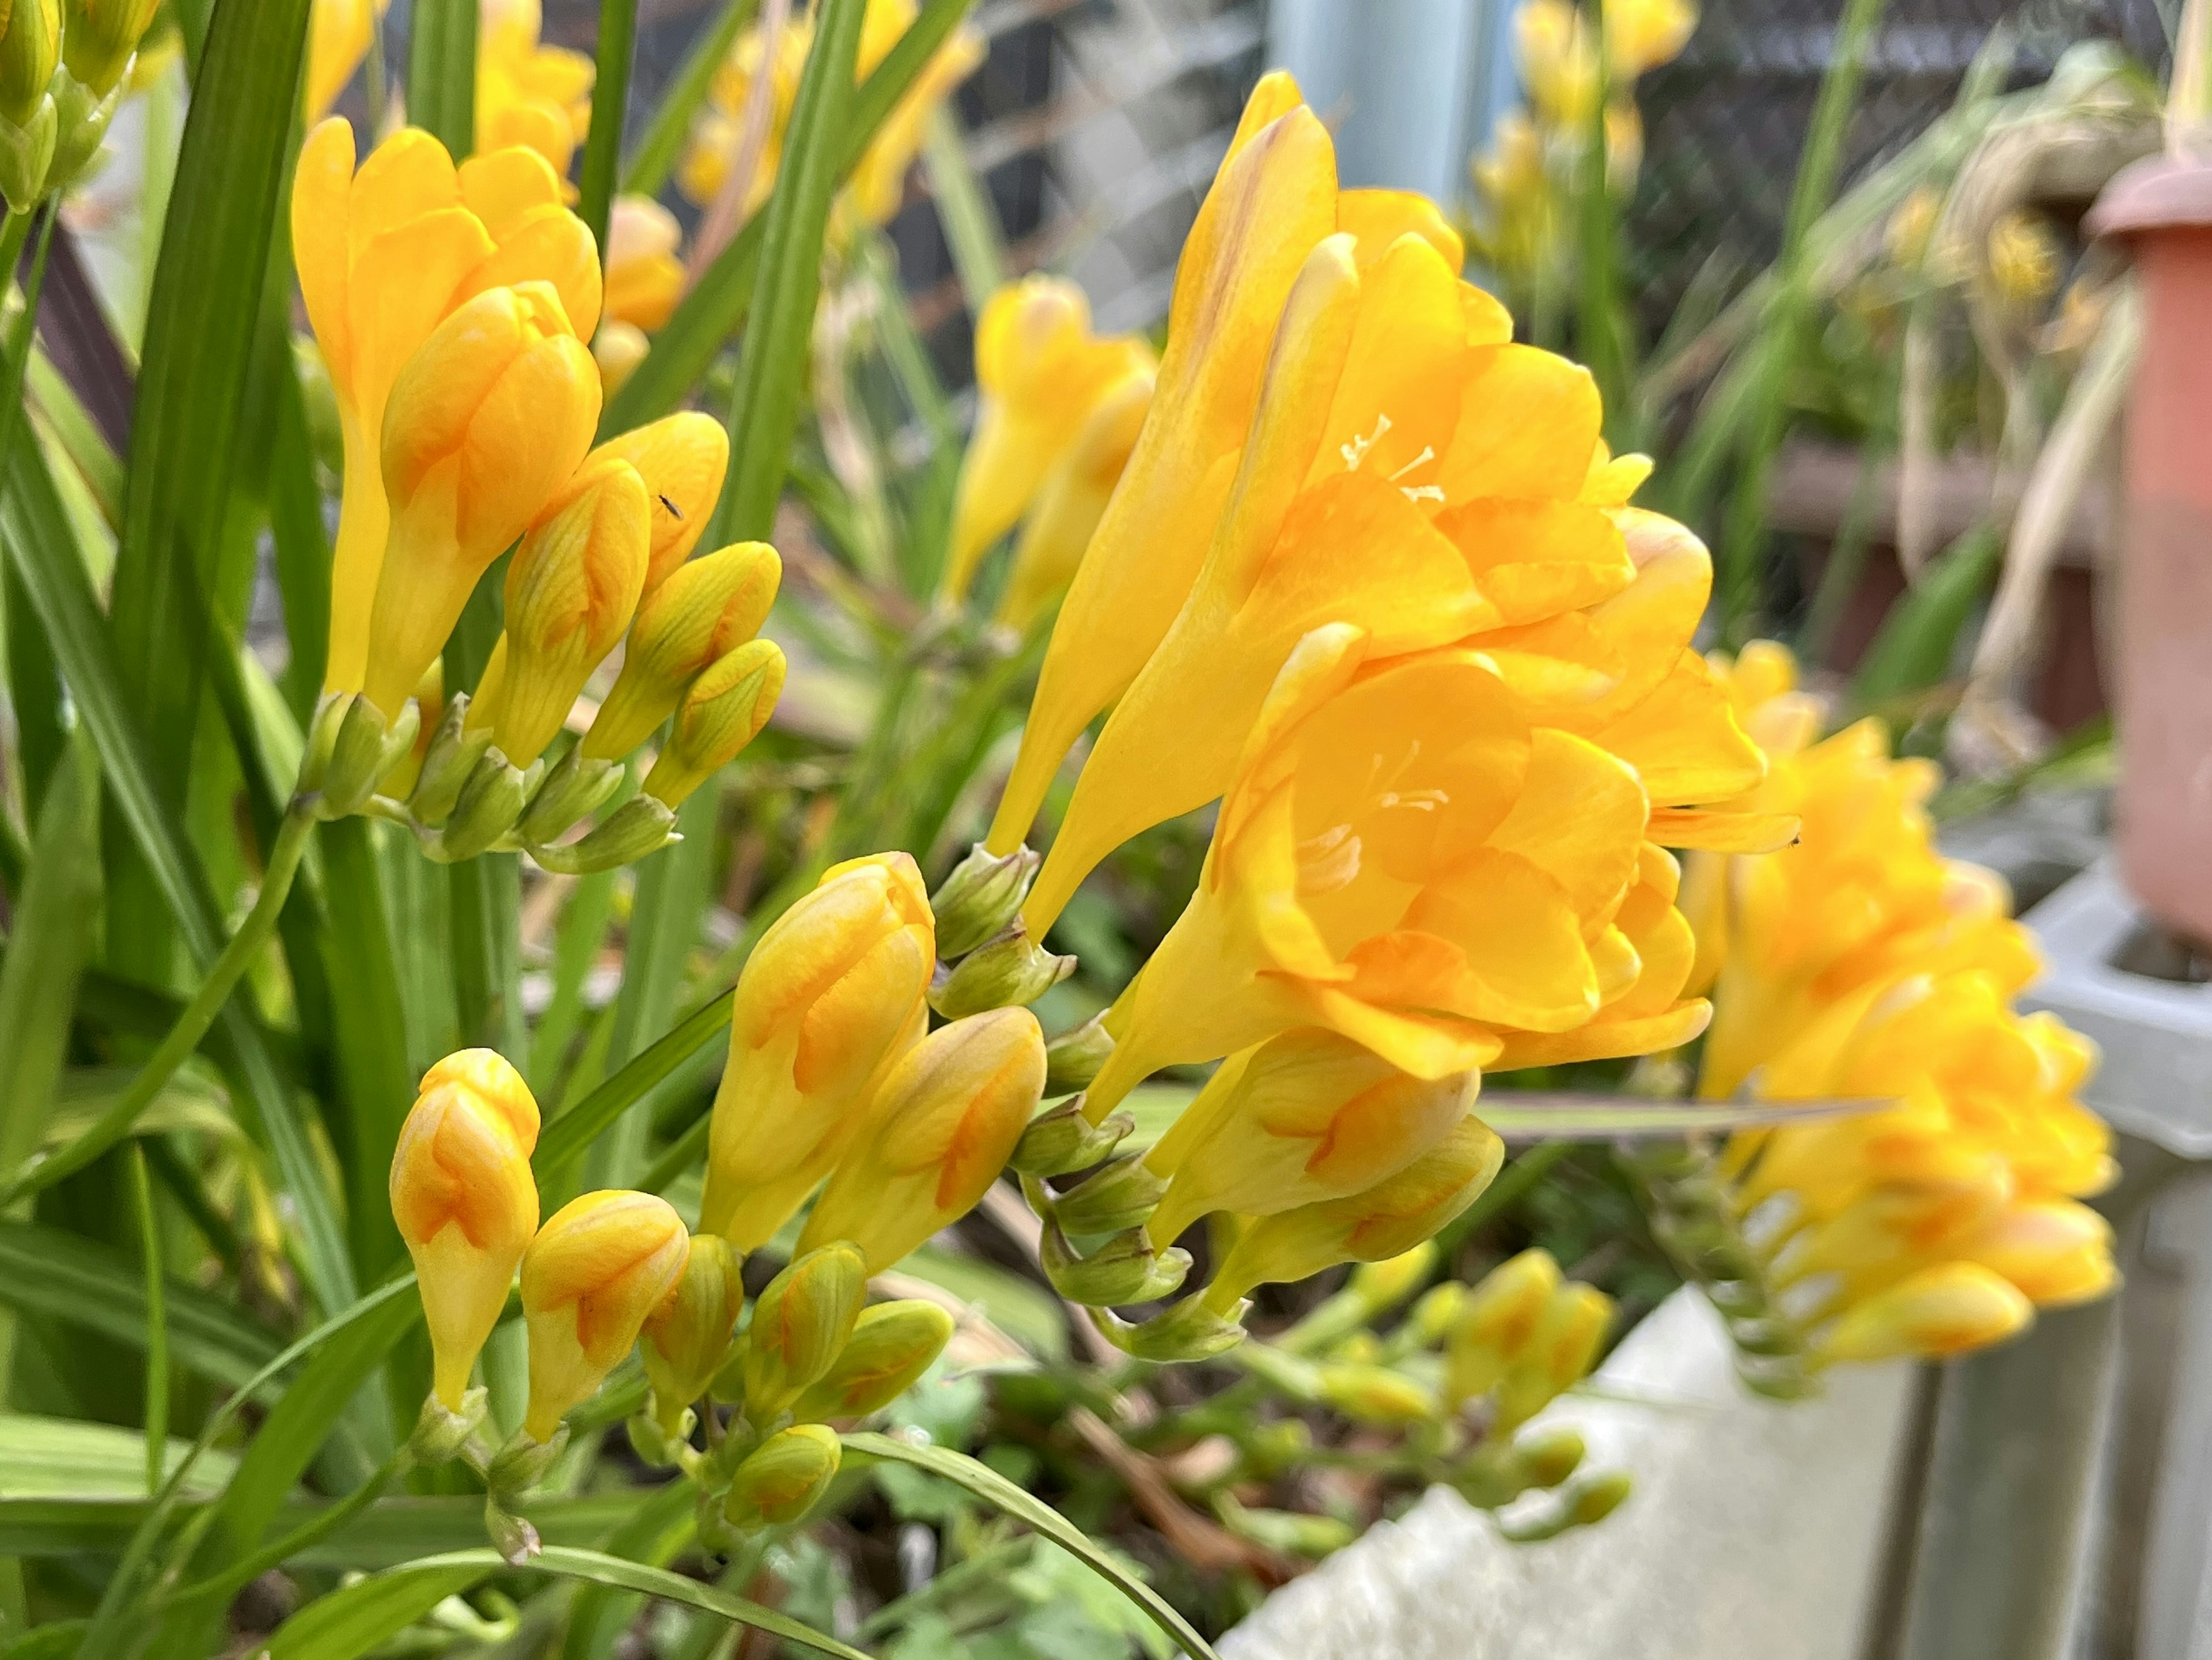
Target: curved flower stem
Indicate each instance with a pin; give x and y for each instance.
(42, 1171)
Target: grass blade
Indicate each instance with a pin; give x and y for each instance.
(157, 1322)
(586, 917)
(567, 1137)
(680, 100)
(595, 181)
(993, 1489)
(1913, 650)
(441, 73)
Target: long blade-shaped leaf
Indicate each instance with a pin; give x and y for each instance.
(679, 100)
(441, 73)
(595, 180)
(567, 1137)
(993, 1489)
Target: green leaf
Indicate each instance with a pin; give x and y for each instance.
(655, 1534)
(577, 938)
(1913, 650)
(993, 1489)
(680, 100)
(595, 180)
(60, 1462)
(567, 1137)
(351, 1622)
(46, 1271)
(778, 348)
(710, 313)
(190, 403)
(441, 73)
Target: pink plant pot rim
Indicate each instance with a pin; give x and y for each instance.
(2159, 192)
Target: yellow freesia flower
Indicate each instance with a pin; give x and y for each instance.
(703, 611)
(687, 1335)
(338, 33)
(528, 94)
(597, 1269)
(879, 181)
(645, 279)
(831, 996)
(941, 1127)
(1516, 187)
(1073, 499)
(1559, 61)
(721, 712)
(1859, 962)
(384, 256)
(1039, 375)
(1643, 35)
(1273, 204)
(464, 1202)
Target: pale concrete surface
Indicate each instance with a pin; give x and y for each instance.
(1755, 1533)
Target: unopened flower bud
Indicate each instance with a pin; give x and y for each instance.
(1063, 1140)
(830, 996)
(1125, 1269)
(783, 1478)
(618, 348)
(596, 1270)
(1387, 1219)
(639, 827)
(722, 711)
(937, 1134)
(1381, 1286)
(30, 46)
(2055, 1251)
(1498, 1322)
(490, 802)
(1545, 1457)
(399, 779)
(686, 1337)
(1376, 1395)
(1072, 1059)
(441, 1432)
(1431, 1318)
(571, 589)
(1591, 1501)
(1559, 1354)
(976, 901)
(1123, 1195)
(1941, 1311)
(454, 749)
(1300, 1535)
(801, 1322)
(573, 790)
(701, 612)
(892, 1346)
(1192, 1330)
(465, 1203)
(365, 746)
(1012, 969)
(100, 36)
(485, 424)
(681, 457)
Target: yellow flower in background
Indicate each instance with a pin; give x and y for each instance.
(384, 256)
(1403, 859)
(338, 33)
(1304, 1117)
(528, 94)
(831, 996)
(701, 613)
(465, 1203)
(1493, 1326)
(879, 181)
(1040, 374)
(941, 1127)
(1643, 35)
(483, 427)
(1860, 962)
(2024, 258)
(1273, 201)
(1515, 184)
(596, 1271)
(1911, 227)
(1073, 499)
(645, 279)
(1559, 61)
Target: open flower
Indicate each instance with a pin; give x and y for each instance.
(831, 995)
(464, 1202)
(1040, 374)
(528, 94)
(1273, 201)
(384, 256)
(594, 1273)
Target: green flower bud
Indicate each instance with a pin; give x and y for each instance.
(1546, 1457)
(355, 745)
(1375, 1394)
(1378, 1287)
(455, 748)
(1310, 1537)
(800, 1325)
(892, 1346)
(1072, 1059)
(490, 802)
(1125, 1269)
(1432, 1317)
(30, 46)
(574, 789)
(1121, 1195)
(686, 1338)
(1592, 1501)
(783, 1478)
(980, 897)
(101, 36)
(1062, 1139)
(440, 1434)
(1190, 1330)
(640, 826)
(80, 116)
(27, 154)
(1012, 969)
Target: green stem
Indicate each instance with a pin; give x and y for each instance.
(610, 103)
(157, 1323)
(680, 100)
(191, 1025)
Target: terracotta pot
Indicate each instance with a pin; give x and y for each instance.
(2163, 208)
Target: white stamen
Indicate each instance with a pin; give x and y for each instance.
(1428, 455)
(1422, 492)
(1356, 452)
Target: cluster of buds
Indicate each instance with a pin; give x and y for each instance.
(606, 1271)
(452, 319)
(1444, 1394)
(63, 66)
